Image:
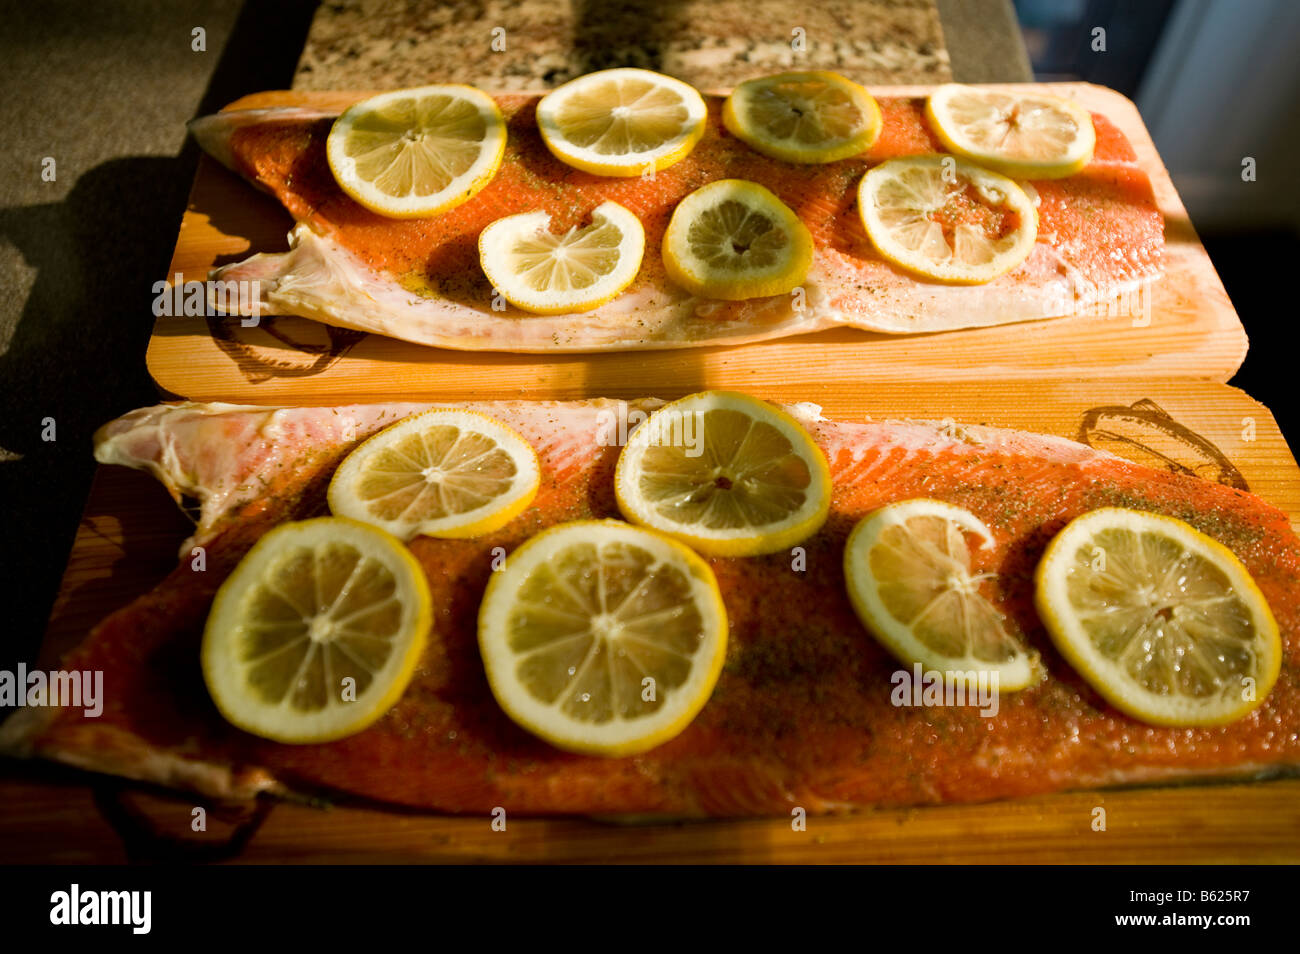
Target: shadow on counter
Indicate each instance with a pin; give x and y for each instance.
(77, 352)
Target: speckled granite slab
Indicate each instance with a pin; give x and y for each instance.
(536, 44)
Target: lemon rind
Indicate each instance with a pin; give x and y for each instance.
(343, 502)
(875, 229)
(1074, 645)
(457, 192)
(222, 674)
(682, 269)
(541, 719)
(733, 543)
(1015, 168)
(784, 150)
(896, 637)
(631, 255)
(587, 160)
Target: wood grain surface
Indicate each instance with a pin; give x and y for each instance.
(1185, 327)
(128, 540)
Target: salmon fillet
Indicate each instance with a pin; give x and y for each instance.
(801, 715)
(1100, 236)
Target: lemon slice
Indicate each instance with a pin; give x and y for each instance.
(1163, 621)
(1026, 135)
(623, 122)
(945, 218)
(542, 272)
(908, 571)
(317, 632)
(810, 117)
(726, 473)
(447, 473)
(734, 239)
(417, 152)
(602, 638)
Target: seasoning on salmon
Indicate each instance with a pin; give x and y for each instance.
(1100, 236)
(802, 712)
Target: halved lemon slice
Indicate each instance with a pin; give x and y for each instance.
(417, 152)
(602, 638)
(945, 218)
(445, 473)
(1026, 135)
(908, 571)
(623, 122)
(809, 117)
(726, 473)
(545, 273)
(1163, 621)
(317, 632)
(734, 239)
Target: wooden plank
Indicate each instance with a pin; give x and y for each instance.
(128, 541)
(1191, 330)
(58, 821)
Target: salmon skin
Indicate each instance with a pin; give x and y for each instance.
(1100, 236)
(802, 714)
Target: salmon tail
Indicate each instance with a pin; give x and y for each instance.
(162, 441)
(314, 279)
(213, 133)
(229, 456)
(260, 274)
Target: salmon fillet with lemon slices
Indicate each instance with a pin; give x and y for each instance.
(1100, 236)
(801, 715)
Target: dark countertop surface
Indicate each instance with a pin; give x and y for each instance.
(537, 44)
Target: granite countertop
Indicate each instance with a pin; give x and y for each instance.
(535, 44)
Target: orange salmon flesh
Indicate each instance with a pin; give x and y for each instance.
(289, 159)
(802, 714)
(1099, 235)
